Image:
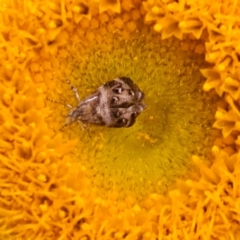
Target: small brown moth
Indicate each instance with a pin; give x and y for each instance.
(115, 104)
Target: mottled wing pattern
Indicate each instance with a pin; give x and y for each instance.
(117, 103)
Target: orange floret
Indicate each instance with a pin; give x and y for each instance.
(44, 192)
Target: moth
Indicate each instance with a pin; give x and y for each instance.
(116, 104)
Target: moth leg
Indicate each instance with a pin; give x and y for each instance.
(85, 127)
(74, 90)
(64, 104)
(65, 125)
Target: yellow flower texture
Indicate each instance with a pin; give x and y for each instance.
(46, 192)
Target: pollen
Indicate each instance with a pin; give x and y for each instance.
(174, 174)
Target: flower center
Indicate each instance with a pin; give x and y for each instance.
(176, 124)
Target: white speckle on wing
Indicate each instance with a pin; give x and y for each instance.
(91, 99)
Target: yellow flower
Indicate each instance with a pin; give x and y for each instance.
(64, 184)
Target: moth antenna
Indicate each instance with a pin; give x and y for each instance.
(74, 89)
(57, 102)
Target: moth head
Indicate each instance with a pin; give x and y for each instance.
(72, 116)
